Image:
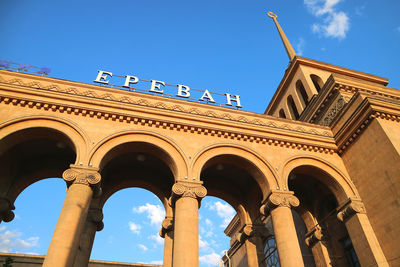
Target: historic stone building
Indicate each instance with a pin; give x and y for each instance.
(318, 174)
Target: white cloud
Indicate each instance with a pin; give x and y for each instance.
(300, 46)
(203, 245)
(212, 259)
(159, 240)
(157, 262)
(208, 222)
(224, 211)
(143, 247)
(335, 23)
(155, 213)
(135, 228)
(10, 241)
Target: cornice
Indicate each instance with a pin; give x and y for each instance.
(346, 87)
(232, 226)
(242, 120)
(370, 108)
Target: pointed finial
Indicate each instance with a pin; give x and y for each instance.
(286, 43)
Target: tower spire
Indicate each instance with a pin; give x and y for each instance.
(286, 43)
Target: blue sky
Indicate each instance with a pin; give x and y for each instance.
(222, 46)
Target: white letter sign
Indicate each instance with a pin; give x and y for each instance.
(208, 97)
(129, 80)
(102, 78)
(236, 99)
(183, 89)
(156, 85)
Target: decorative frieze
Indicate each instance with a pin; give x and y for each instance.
(279, 199)
(240, 136)
(348, 210)
(334, 111)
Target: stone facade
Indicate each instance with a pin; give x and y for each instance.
(318, 172)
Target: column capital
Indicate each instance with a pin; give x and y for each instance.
(167, 225)
(83, 175)
(350, 208)
(249, 231)
(314, 236)
(279, 199)
(188, 189)
(6, 210)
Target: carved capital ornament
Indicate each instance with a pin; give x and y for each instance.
(185, 190)
(350, 209)
(167, 225)
(279, 199)
(84, 176)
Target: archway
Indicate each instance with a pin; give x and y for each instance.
(132, 221)
(237, 180)
(320, 232)
(30, 155)
(38, 208)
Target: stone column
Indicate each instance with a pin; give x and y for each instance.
(94, 222)
(252, 236)
(6, 210)
(186, 198)
(279, 204)
(315, 240)
(167, 232)
(365, 243)
(65, 241)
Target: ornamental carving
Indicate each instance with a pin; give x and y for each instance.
(350, 209)
(81, 176)
(279, 199)
(314, 236)
(188, 190)
(6, 210)
(252, 231)
(331, 115)
(167, 226)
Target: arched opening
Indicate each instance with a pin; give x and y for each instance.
(325, 236)
(231, 178)
(317, 81)
(292, 108)
(214, 216)
(132, 221)
(38, 209)
(282, 113)
(301, 91)
(30, 155)
(143, 165)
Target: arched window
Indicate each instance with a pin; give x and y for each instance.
(282, 114)
(292, 108)
(318, 83)
(301, 91)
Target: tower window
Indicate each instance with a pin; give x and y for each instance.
(292, 108)
(318, 83)
(301, 91)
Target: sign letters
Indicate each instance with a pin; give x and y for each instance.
(182, 91)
